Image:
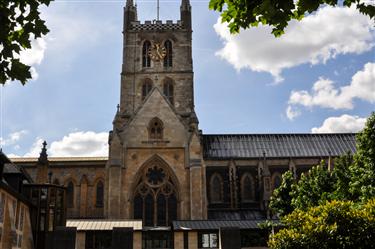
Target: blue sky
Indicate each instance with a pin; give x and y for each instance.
(319, 77)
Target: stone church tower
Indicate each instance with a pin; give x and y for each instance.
(155, 169)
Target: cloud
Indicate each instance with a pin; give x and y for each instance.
(74, 30)
(344, 123)
(292, 113)
(13, 138)
(35, 149)
(315, 39)
(74, 144)
(35, 55)
(325, 94)
(81, 144)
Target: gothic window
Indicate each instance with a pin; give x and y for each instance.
(155, 129)
(168, 90)
(146, 60)
(247, 188)
(99, 194)
(70, 195)
(155, 200)
(168, 57)
(276, 180)
(146, 88)
(216, 189)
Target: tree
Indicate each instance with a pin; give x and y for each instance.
(276, 13)
(281, 199)
(335, 224)
(20, 23)
(362, 184)
(331, 209)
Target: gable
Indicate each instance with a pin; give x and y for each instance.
(157, 106)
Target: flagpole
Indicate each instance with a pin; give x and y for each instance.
(157, 16)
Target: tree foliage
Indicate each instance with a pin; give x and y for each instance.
(20, 23)
(281, 199)
(276, 13)
(335, 224)
(362, 184)
(330, 209)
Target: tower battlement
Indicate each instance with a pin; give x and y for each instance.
(156, 25)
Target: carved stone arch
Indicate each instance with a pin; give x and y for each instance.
(155, 193)
(99, 189)
(84, 180)
(276, 180)
(247, 187)
(152, 160)
(155, 129)
(216, 188)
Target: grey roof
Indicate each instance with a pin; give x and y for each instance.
(214, 224)
(277, 145)
(235, 215)
(12, 168)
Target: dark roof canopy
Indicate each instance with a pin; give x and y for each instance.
(277, 145)
(215, 224)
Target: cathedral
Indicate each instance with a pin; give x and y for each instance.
(165, 183)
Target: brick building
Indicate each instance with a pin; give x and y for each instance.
(165, 184)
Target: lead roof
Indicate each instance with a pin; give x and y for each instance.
(277, 145)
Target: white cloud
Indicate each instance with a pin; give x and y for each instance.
(292, 113)
(315, 39)
(81, 144)
(324, 94)
(13, 138)
(35, 149)
(74, 144)
(73, 30)
(344, 123)
(35, 55)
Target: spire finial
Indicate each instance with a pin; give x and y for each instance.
(129, 3)
(43, 157)
(118, 108)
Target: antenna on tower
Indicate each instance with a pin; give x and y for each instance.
(157, 10)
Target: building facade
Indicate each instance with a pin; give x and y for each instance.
(166, 181)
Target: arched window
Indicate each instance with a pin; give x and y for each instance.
(99, 194)
(169, 56)
(146, 60)
(155, 129)
(276, 180)
(70, 195)
(155, 200)
(216, 189)
(247, 188)
(168, 90)
(146, 88)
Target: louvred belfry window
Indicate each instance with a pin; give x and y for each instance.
(146, 60)
(168, 90)
(155, 198)
(146, 88)
(168, 59)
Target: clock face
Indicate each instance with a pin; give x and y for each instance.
(157, 52)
